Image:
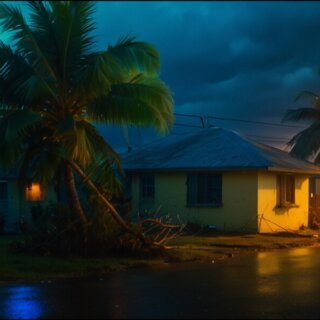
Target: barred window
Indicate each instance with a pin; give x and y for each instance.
(285, 189)
(204, 189)
(147, 186)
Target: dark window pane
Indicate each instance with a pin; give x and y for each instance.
(3, 191)
(204, 189)
(147, 186)
(192, 189)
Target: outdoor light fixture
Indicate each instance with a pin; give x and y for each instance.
(33, 192)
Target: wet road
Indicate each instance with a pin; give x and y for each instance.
(280, 284)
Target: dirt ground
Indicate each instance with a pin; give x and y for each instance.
(220, 246)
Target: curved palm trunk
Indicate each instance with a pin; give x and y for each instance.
(114, 213)
(75, 204)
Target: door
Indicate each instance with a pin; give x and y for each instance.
(314, 202)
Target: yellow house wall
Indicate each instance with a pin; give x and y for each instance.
(239, 197)
(271, 219)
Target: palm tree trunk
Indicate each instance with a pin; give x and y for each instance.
(114, 213)
(75, 204)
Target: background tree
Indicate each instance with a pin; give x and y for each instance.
(306, 143)
(54, 88)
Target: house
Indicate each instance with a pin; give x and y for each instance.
(16, 201)
(220, 178)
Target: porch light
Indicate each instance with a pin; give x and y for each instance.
(33, 192)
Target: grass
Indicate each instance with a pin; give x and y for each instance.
(22, 267)
(18, 266)
(222, 246)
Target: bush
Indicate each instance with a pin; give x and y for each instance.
(53, 230)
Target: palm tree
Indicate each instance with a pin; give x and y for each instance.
(54, 88)
(306, 143)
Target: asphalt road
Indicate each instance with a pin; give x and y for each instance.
(279, 284)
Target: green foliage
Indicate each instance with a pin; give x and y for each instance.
(52, 77)
(54, 231)
(306, 143)
(53, 85)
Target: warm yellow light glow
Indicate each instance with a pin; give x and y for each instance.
(33, 192)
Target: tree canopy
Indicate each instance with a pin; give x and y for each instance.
(54, 88)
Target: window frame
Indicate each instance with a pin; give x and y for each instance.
(286, 190)
(147, 187)
(194, 181)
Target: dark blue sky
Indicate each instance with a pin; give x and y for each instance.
(245, 60)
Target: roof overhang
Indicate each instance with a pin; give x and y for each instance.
(219, 169)
(295, 170)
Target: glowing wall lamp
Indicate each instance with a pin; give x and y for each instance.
(33, 192)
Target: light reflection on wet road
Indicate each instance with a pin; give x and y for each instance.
(279, 284)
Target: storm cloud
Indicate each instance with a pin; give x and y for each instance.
(245, 60)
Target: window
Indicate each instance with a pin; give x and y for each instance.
(33, 192)
(147, 186)
(3, 191)
(285, 190)
(204, 189)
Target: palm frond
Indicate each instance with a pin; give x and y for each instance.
(12, 20)
(100, 146)
(305, 94)
(310, 95)
(46, 33)
(136, 56)
(306, 143)
(86, 144)
(145, 103)
(74, 24)
(16, 123)
(76, 143)
(13, 130)
(302, 114)
(95, 77)
(45, 164)
(101, 171)
(14, 71)
(6, 110)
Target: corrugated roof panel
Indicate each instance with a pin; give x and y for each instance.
(212, 148)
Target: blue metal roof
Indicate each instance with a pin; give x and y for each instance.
(212, 149)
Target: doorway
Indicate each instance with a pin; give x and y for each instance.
(314, 202)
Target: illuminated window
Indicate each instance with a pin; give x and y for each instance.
(285, 189)
(33, 192)
(147, 186)
(204, 189)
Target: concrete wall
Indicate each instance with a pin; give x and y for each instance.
(19, 207)
(288, 218)
(239, 201)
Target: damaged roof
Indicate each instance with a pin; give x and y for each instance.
(212, 149)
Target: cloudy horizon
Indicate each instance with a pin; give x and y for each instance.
(239, 60)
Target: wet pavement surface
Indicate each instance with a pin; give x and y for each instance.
(278, 284)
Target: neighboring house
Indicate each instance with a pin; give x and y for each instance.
(16, 201)
(219, 178)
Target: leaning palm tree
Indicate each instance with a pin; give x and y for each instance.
(306, 143)
(54, 88)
